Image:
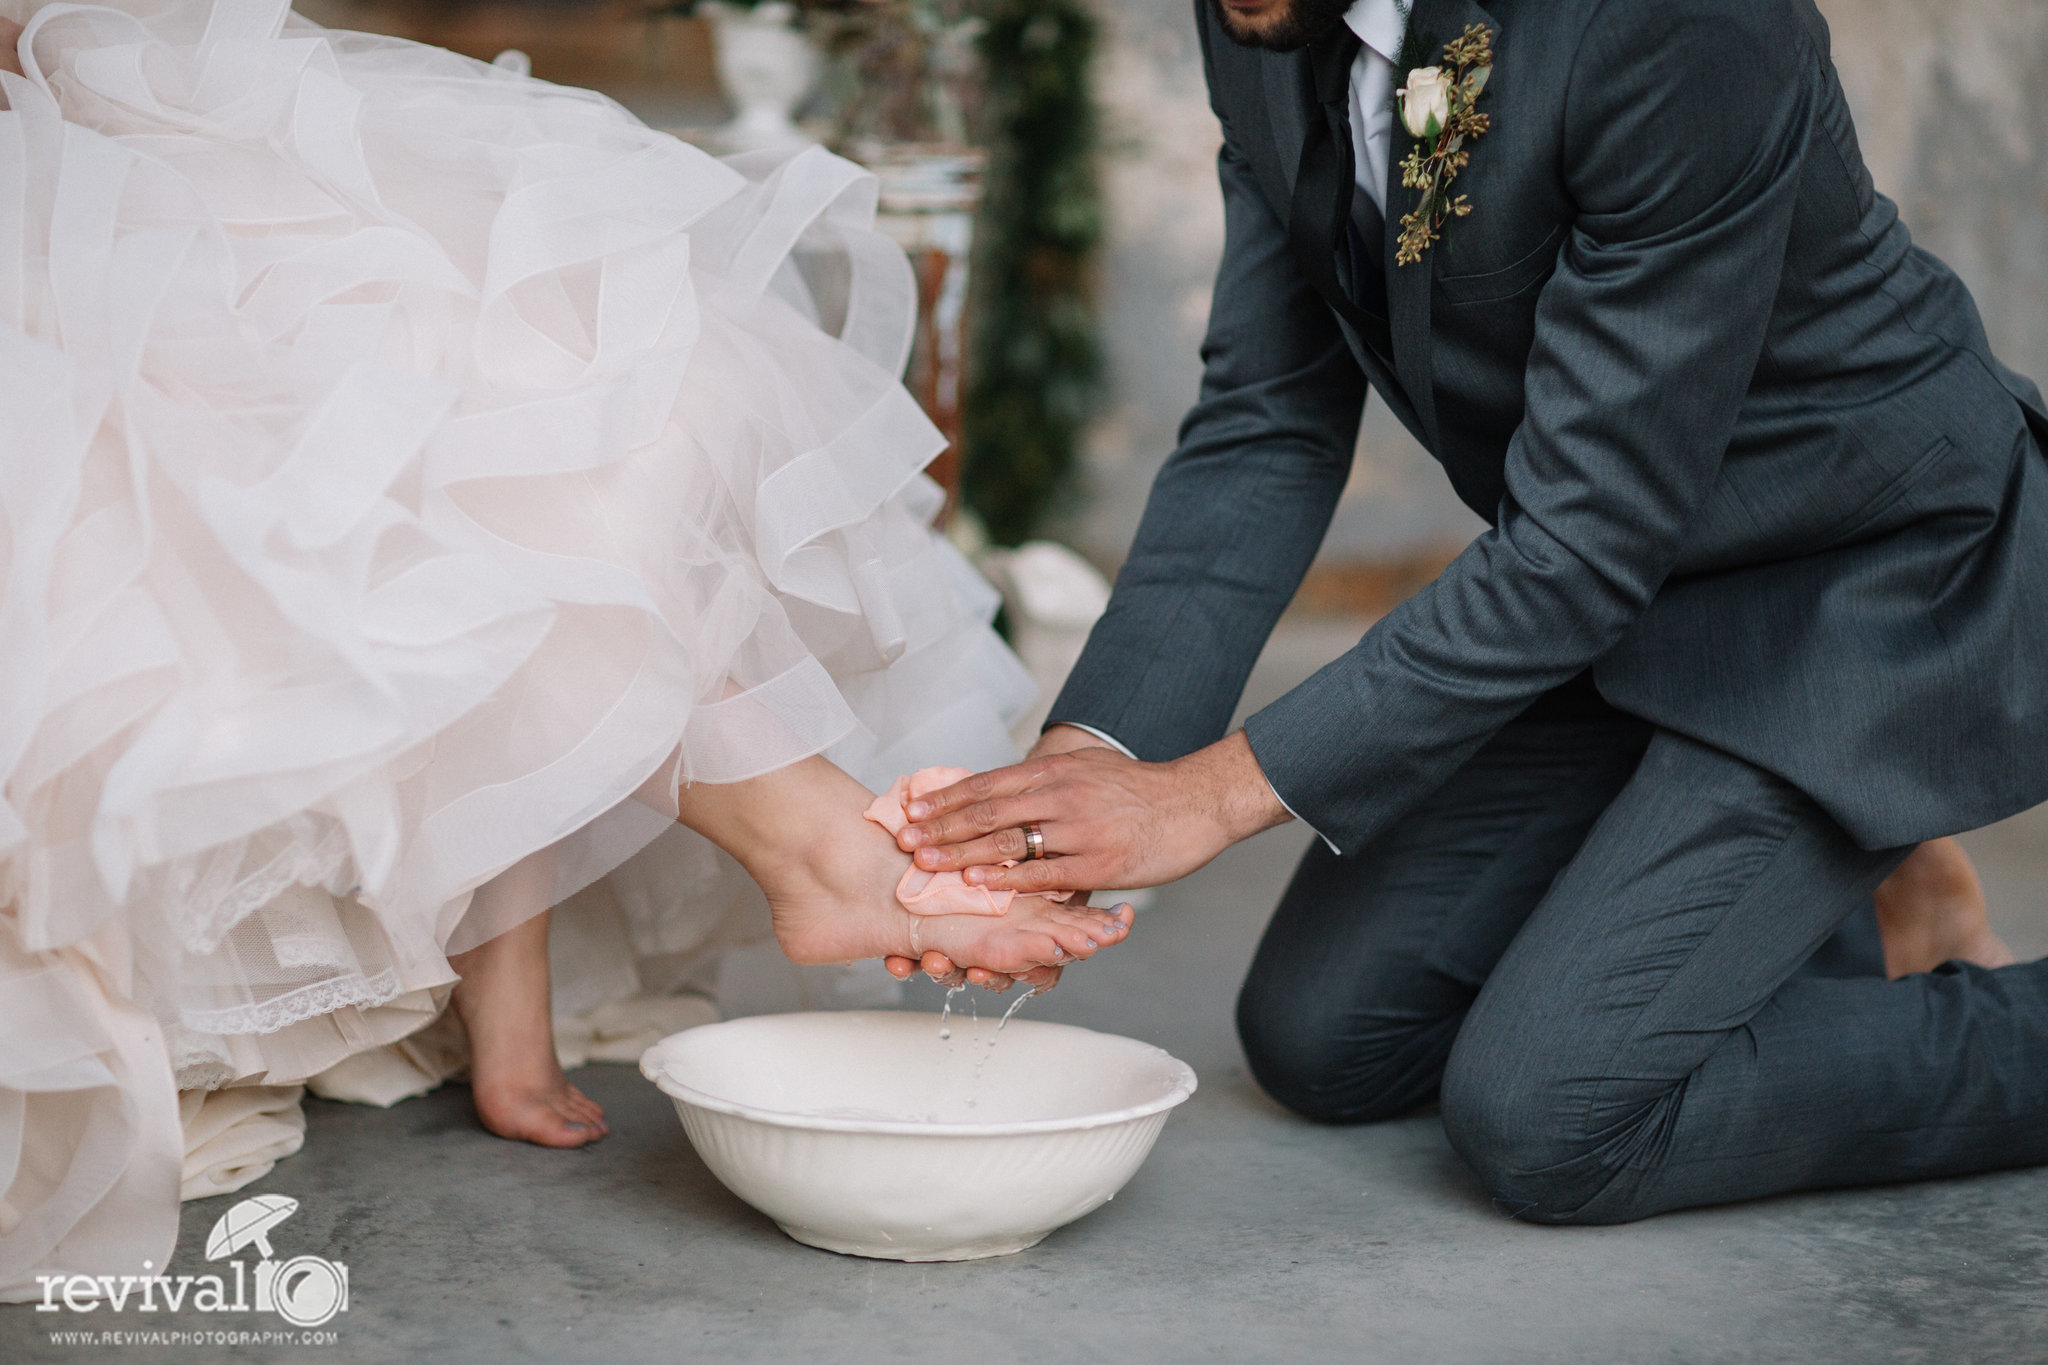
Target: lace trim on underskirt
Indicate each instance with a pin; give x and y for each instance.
(213, 892)
(282, 1011)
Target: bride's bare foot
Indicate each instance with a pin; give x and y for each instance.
(515, 1080)
(1931, 910)
(830, 876)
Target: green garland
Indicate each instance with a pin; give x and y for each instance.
(1034, 362)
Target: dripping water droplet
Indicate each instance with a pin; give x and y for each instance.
(1015, 1005)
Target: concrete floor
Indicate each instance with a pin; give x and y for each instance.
(1248, 1236)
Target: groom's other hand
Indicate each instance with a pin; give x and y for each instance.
(943, 970)
(1107, 820)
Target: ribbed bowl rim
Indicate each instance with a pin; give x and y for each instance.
(1183, 1086)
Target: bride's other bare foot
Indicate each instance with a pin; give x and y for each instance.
(830, 876)
(1931, 910)
(515, 1080)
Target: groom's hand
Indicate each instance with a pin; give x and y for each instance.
(942, 969)
(1057, 739)
(1107, 820)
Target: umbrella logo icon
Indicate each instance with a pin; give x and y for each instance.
(248, 1224)
(306, 1291)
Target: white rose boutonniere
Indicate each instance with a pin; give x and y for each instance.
(1437, 105)
(1426, 102)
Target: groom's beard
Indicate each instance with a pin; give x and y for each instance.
(1279, 25)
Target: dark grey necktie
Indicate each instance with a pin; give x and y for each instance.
(1326, 197)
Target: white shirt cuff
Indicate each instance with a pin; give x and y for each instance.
(1290, 810)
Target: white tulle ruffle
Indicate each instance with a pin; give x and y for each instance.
(411, 466)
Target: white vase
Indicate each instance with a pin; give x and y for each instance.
(767, 67)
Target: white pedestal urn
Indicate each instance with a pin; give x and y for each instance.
(929, 195)
(767, 66)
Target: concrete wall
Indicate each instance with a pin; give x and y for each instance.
(1951, 100)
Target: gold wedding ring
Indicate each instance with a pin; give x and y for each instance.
(1034, 842)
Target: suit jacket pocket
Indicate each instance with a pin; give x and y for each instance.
(1491, 286)
(1865, 517)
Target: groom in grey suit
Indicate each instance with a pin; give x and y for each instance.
(1763, 603)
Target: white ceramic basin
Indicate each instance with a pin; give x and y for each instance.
(867, 1133)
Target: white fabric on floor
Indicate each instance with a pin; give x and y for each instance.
(234, 1137)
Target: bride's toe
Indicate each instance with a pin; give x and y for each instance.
(1065, 941)
(1097, 927)
(580, 1108)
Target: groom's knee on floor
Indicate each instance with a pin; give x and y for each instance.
(1507, 1113)
(1338, 1069)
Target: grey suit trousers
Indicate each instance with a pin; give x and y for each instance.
(1597, 943)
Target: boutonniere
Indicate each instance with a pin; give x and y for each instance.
(1438, 110)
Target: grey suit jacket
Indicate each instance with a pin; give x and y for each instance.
(1744, 449)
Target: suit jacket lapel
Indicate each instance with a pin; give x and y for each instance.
(1290, 104)
(1409, 286)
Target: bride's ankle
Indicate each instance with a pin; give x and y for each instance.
(783, 824)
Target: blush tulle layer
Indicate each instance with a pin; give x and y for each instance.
(411, 468)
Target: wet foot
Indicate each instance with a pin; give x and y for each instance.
(1931, 910)
(842, 906)
(831, 875)
(515, 1080)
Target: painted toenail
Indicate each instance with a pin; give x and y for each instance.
(1092, 944)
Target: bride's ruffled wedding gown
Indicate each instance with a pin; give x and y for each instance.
(409, 467)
